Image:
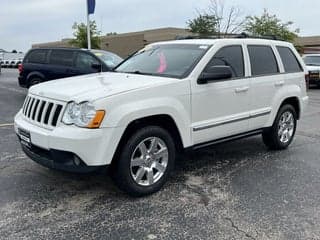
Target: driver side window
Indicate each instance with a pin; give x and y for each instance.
(84, 61)
(231, 56)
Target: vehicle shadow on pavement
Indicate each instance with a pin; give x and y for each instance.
(221, 159)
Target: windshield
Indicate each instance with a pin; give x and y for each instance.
(312, 60)
(170, 60)
(110, 59)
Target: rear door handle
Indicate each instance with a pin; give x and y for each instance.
(279, 84)
(241, 89)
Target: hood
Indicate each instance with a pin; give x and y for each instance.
(313, 68)
(94, 86)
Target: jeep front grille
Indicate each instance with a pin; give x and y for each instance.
(42, 111)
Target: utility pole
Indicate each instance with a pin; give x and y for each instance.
(88, 26)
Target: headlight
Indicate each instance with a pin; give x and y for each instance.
(82, 115)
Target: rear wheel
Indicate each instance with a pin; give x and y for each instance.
(145, 161)
(34, 81)
(282, 132)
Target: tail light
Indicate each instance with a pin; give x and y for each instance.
(20, 68)
(307, 77)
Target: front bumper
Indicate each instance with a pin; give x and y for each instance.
(55, 159)
(95, 147)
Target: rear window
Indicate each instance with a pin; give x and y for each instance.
(312, 60)
(263, 61)
(289, 60)
(37, 56)
(61, 57)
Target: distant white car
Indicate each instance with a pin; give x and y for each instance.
(5, 63)
(14, 63)
(313, 66)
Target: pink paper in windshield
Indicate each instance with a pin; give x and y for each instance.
(163, 63)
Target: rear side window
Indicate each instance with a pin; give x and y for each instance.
(263, 61)
(61, 57)
(37, 56)
(231, 56)
(289, 60)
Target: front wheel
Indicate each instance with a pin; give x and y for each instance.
(145, 161)
(282, 132)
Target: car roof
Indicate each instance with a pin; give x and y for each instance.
(71, 49)
(67, 49)
(229, 40)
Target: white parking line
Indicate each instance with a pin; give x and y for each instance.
(12, 89)
(6, 125)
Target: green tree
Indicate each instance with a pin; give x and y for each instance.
(111, 34)
(218, 19)
(204, 24)
(268, 24)
(80, 34)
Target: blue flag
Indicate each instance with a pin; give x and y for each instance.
(91, 6)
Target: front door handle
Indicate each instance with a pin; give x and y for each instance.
(279, 84)
(241, 89)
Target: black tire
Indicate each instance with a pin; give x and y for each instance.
(122, 174)
(34, 81)
(271, 136)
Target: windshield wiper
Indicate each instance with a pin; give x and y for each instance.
(312, 64)
(139, 73)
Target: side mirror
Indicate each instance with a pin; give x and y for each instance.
(97, 66)
(215, 73)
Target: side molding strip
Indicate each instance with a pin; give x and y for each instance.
(256, 115)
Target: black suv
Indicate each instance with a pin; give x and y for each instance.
(44, 64)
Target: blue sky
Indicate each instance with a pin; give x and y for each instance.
(23, 23)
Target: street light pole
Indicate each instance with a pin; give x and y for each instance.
(88, 26)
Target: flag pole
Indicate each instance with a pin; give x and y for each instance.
(88, 27)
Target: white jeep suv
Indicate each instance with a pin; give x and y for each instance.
(167, 97)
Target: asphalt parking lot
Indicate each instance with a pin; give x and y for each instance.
(237, 190)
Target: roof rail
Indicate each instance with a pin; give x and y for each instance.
(219, 36)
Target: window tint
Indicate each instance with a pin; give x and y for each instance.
(37, 56)
(262, 60)
(84, 61)
(229, 56)
(61, 57)
(289, 60)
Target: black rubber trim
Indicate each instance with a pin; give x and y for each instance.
(56, 159)
(226, 139)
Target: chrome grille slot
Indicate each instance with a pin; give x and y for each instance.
(48, 113)
(41, 111)
(56, 115)
(35, 108)
(30, 107)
